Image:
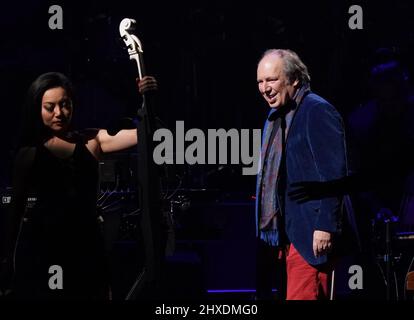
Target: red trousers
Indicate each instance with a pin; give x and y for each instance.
(304, 281)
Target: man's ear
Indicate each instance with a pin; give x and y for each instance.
(296, 83)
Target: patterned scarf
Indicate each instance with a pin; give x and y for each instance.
(271, 158)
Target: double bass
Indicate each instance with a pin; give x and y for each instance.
(147, 283)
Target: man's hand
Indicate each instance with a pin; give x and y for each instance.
(148, 83)
(322, 242)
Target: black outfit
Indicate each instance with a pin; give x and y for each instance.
(62, 229)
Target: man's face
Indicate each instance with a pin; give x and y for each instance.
(272, 82)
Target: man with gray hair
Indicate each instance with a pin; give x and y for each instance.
(303, 140)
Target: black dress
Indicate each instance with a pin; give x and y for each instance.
(62, 229)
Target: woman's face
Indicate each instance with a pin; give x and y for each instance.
(56, 109)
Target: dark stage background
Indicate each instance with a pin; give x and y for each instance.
(204, 55)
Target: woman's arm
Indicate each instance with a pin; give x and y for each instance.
(124, 139)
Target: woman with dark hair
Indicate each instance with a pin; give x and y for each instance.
(59, 166)
(34, 129)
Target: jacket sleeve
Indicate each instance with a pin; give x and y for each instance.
(326, 137)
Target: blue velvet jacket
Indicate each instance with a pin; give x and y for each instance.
(315, 151)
